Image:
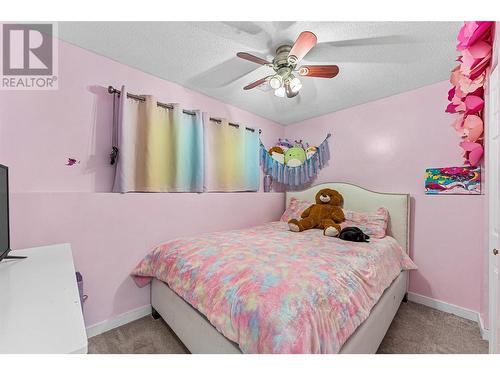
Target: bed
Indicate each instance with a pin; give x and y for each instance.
(200, 335)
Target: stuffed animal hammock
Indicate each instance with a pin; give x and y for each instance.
(295, 176)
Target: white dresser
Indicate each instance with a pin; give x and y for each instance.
(40, 308)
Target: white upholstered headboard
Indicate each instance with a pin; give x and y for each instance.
(358, 199)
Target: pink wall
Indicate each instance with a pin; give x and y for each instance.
(109, 233)
(386, 145)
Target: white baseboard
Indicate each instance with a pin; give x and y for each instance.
(485, 333)
(117, 321)
(451, 309)
(444, 306)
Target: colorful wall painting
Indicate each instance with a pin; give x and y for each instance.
(453, 180)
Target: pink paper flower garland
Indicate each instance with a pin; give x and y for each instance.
(475, 41)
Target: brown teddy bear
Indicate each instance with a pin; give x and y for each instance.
(326, 214)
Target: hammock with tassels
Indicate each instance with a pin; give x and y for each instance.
(295, 176)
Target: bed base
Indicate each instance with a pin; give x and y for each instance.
(201, 337)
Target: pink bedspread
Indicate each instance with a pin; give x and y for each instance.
(275, 291)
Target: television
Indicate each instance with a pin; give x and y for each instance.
(4, 215)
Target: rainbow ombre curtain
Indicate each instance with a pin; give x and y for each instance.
(160, 149)
(167, 150)
(231, 157)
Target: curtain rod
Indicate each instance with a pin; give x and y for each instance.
(112, 90)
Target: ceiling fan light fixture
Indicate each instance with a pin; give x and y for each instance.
(290, 92)
(276, 81)
(280, 92)
(295, 84)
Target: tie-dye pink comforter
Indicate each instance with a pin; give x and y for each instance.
(275, 291)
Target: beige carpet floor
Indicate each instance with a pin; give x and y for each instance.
(416, 329)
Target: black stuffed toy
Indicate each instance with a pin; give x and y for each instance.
(353, 234)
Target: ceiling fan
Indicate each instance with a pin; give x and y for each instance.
(283, 81)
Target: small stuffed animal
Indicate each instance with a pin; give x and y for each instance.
(295, 156)
(277, 154)
(274, 149)
(326, 214)
(353, 234)
(285, 144)
(310, 151)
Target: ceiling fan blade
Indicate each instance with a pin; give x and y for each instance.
(252, 58)
(304, 43)
(256, 83)
(321, 71)
(390, 49)
(373, 40)
(224, 73)
(249, 34)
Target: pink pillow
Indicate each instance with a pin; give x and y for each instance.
(373, 224)
(295, 209)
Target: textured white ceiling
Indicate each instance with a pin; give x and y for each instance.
(376, 59)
